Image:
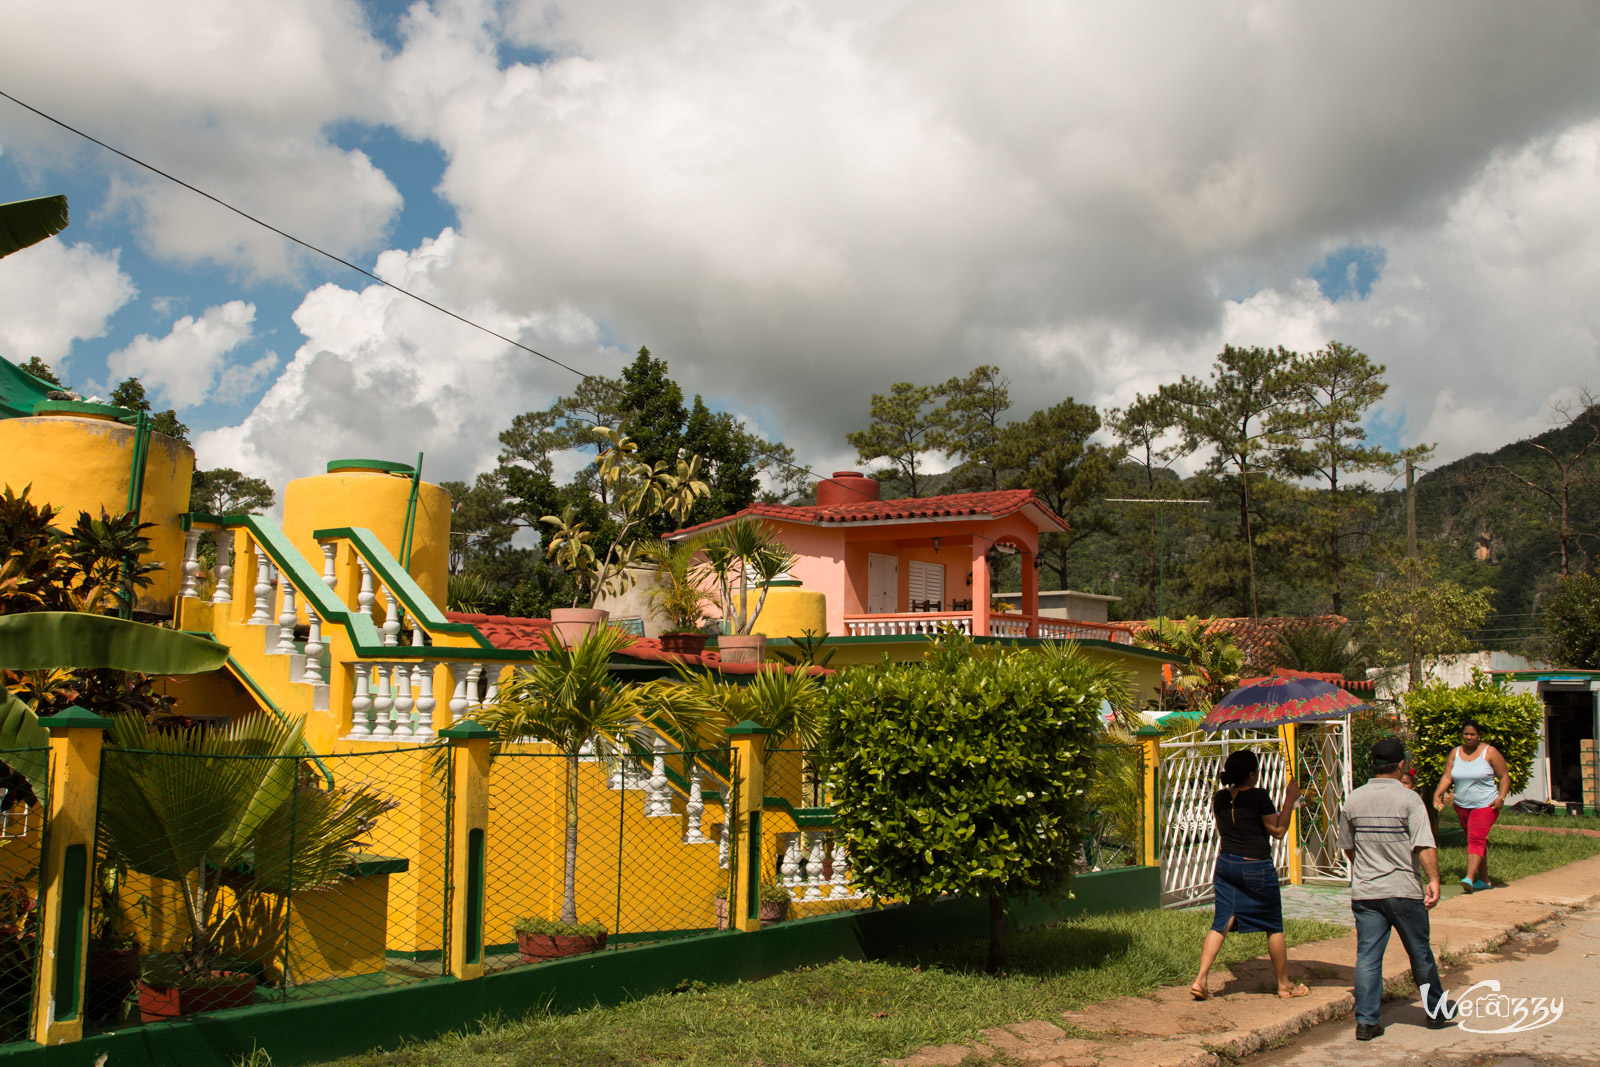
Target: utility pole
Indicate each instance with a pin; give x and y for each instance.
(1414, 668)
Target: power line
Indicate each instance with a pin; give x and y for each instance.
(806, 470)
(291, 237)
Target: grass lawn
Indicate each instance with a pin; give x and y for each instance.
(1574, 822)
(1512, 855)
(859, 1013)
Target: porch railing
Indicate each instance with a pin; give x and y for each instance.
(1006, 624)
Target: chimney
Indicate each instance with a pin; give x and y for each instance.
(845, 488)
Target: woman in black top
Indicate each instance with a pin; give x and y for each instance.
(1246, 882)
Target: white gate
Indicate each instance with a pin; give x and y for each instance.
(1190, 765)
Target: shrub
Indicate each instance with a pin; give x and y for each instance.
(1512, 723)
(965, 774)
(535, 926)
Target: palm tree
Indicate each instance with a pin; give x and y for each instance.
(743, 550)
(198, 808)
(570, 699)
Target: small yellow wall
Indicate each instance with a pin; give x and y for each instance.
(377, 501)
(83, 463)
(790, 611)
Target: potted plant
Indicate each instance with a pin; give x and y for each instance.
(773, 907)
(745, 557)
(679, 593)
(571, 700)
(632, 492)
(546, 939)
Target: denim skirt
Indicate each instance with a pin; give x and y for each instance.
(1247, 895)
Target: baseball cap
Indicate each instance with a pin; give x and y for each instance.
(1388, 750)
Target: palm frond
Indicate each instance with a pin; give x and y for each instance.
(27, 222)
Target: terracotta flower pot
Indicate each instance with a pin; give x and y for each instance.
(742, 648)
(683, 644)
(774, 913)
(159, 1003)
(535, 948)
(572, 625)
(722, 913)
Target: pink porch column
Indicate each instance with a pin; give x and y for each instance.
(1030, 592)
(980, 587)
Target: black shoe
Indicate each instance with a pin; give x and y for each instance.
(1368, 1031)
(1445, 1017)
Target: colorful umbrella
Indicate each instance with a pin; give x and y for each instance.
(1267, 702)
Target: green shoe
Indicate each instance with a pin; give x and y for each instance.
(1478, 887)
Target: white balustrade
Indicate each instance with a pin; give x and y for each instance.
(223, 593)
(287, 617)
(422, 684)
(925, 623)
(1003, 626)
(814, 863)
(361, 706)
(382, 703)
(404, 703)
(329, 578)
(695, 809)
(789, 869)
(391, 619)
(722, 845)
(841, 870)
(262, 615)
(658, 790)
(314, 648)
(191, 564)
(365, 598)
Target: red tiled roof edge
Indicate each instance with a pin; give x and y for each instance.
(996, 504)
(515, 633)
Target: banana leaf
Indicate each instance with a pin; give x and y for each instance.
(20, 729)
(27, 222)
(40, 640)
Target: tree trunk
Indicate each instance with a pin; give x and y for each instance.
(569, 884)
(997, 932)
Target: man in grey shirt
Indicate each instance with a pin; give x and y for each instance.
(1384, 829)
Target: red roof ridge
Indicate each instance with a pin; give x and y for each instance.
(994, 503)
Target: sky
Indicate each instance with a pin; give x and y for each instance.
(795, 205)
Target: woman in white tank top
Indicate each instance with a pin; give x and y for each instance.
(1478, 773)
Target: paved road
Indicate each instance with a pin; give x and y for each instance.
(1558, 960)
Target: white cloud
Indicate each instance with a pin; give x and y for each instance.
(183, 365)
(381, 375)
(55, 293)
(238, 381)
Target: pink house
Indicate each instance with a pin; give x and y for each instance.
(906, 567)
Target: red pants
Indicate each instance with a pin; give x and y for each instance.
(1476, 822)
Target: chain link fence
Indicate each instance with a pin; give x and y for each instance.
(231, 880)
(1114, 831)
(22, 837)
(625, 843)
(805, 863)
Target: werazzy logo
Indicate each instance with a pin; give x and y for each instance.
(1483, 1003)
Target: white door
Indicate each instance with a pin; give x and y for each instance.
(926, 581)
(883, 584)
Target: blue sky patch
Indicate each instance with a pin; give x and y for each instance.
(1349, 272)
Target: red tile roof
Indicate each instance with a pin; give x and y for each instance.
(992, 505)
(1256, 636)
(514, 633)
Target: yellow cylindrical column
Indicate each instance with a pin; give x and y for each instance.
(469, 846)
(1150, 783)
(1286, 736)
(750, 756)
(67, 873)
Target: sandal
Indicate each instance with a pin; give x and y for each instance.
(1478, 887)
(1298, 991)
(1467, 885)
(1199, 994)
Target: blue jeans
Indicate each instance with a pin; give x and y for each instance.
(1374, 919)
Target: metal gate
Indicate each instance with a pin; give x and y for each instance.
(1190, 765)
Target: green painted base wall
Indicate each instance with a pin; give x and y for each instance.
(310, 1031)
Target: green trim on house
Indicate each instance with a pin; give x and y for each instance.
(400, 583)
(81, 407)
(1020, 642)
(308, 1031)
(1574, 675)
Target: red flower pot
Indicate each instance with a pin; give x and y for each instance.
(536, 948)
(683, 644)
(742, 648)
(159, 1003)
